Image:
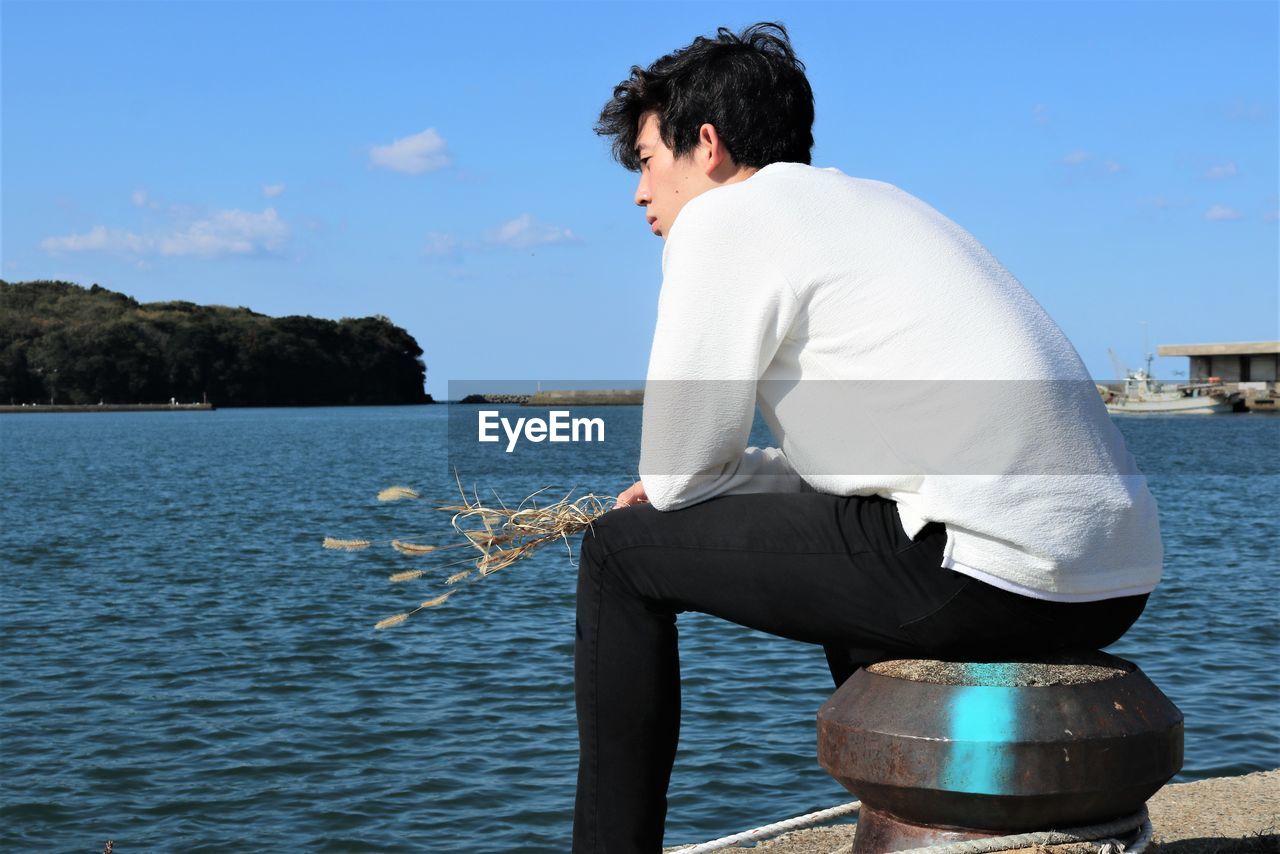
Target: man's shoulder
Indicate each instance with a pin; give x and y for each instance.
(781, 187)
(790, 177)
(784, 206)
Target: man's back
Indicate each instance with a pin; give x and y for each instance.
(895, 356)
(878, 264)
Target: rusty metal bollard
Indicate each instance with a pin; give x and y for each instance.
(943, 752)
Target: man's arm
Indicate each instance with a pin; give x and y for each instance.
(723, 311)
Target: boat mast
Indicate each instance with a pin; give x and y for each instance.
(1146, 348)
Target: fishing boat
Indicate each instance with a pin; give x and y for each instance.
(1143, 394)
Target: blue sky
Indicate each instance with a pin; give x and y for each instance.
(435, 162)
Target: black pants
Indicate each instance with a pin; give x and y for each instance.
(821, 569)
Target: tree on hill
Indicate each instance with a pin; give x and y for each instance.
(71, 344)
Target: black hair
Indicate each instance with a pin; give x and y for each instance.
(750, 86)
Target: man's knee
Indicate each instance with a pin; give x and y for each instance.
(611, 532)
(596, 539)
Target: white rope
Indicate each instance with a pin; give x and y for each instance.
(778, 827)
(1090, 833)
(1104, 834)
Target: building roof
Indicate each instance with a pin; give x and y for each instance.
(1240, 348)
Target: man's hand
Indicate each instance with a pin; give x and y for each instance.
(634, 495)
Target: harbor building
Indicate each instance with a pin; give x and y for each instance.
(1248, 369)
(1246, 361)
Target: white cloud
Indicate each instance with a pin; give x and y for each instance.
(228, 232)
(142, 199)
(525, 231)
(1164, 203)
(1222, 213)
(223, 233)
(1242, 110)
(422, 152)
(272, 190)
(95, 238)
(1087, 163)
(1222, 170)
(440, 243)
(1040, 115)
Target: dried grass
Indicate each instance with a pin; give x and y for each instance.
(391, 621)
(395, 493)
(412, 548)
(502, 535)
(346, 545)
(388, 622)
(399, 545)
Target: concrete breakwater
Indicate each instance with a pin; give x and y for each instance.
(1223, 815)
(567, 397)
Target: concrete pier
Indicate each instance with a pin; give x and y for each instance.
(565, 397)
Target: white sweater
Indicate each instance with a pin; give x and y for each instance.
(890, 354)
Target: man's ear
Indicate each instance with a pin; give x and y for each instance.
(713, 150)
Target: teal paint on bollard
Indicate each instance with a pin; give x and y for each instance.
(983, 721)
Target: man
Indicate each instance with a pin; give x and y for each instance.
(947, 481)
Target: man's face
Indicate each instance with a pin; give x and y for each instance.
(667, 183)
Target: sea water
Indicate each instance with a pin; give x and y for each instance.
(185, 668)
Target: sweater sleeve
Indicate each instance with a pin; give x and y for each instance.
(722, 313)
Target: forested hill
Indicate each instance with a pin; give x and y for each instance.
(88, 345)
